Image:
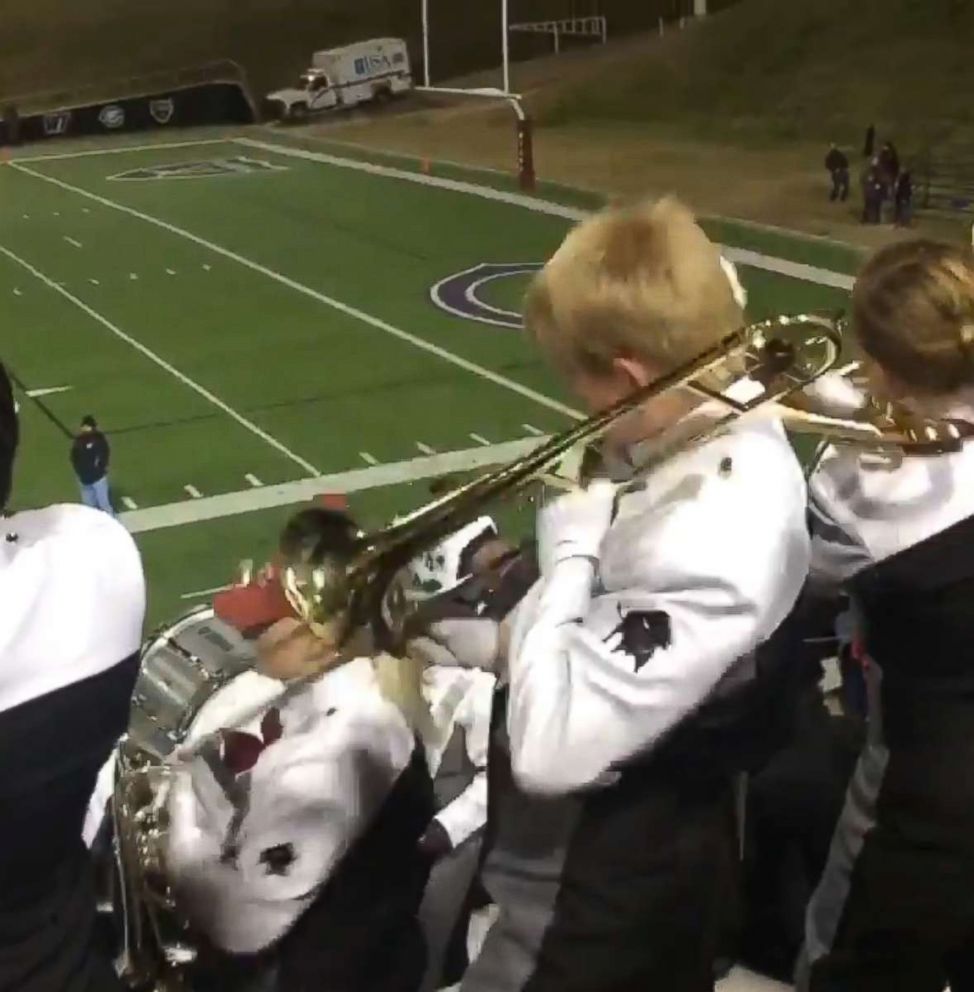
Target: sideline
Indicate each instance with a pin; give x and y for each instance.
(305, 490)
(743, 256)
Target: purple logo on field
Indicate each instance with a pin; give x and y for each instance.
(460, 294)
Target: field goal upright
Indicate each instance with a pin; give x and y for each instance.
(527, 178)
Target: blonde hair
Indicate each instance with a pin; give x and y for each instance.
(640, 281)
(913, 314)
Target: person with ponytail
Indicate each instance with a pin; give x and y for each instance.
(895, 907)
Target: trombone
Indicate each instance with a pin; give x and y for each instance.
(338, 590)
(761, 370)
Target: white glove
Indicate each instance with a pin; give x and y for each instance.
(574, 525)
(461, 643)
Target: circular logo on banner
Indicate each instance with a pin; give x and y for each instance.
(112, 116)
(462, 294)
(162, 110)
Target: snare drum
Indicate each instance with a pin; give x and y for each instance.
(183, 665)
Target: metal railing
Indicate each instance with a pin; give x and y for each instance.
(130, 87)
(945, 177)
(578, 27)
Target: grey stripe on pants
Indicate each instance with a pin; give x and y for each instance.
(857, 820)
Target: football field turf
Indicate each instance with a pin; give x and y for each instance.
(253, 322)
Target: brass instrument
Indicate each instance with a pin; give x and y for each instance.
(156, 947)
(336, 591)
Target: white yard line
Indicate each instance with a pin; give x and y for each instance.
(744, 256)
(47, 391)
(123, 150)
(71, 241)
(349, 311)
(306, 490)
(94, 282)
(129, 503)
(161, 362)
(531, 429)
(425, 448)
(368, 458)
(253, 480)
(480, 439)
(170, 272)
(192, 492)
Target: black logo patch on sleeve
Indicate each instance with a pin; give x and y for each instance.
(640, 634)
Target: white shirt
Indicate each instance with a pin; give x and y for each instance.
(73, 596)
(461, 698)
(711, 554)
(865, 507)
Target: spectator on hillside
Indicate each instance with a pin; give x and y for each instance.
(872, 193)
(903, 200)
(870, 145)
(838, 165)
(889, 165)
(89, 458)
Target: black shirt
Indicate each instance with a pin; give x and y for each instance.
(89, 456)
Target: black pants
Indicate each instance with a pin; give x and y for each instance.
(840, 185)
(895, 909)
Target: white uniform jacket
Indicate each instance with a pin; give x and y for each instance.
(461, 699)
(705, 558)
(864, 508)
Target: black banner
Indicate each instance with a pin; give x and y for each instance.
(212, 103)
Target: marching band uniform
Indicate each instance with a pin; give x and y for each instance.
(300, 853)
(895, 907)
(74, 600)
(610, 832)
(460, 702)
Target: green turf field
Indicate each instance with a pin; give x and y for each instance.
(241, 318)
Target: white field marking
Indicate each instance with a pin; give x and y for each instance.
(161, 146)
(192, 491)
(306, 490)
(204, 592)
(50, 391)
(17, 292)
(252, 479)
(57, 213)
(744, 256)
(72, 241)
(94, 282)
(26, 216)
(531, 429)
(368, 459)
(130, 503)
(85, 210)
(349, 311)
(133, 276)
(480, 439)
(206, 268)
(170, 272)
(162, 363)
(425, 448)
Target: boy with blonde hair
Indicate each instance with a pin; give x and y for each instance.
(630, 665)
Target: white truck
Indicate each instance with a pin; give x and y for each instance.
(345, 77)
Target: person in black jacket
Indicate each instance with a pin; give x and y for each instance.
(74, 599)
(89, 456)
(838, 165)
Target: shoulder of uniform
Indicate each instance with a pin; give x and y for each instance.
(93, 537)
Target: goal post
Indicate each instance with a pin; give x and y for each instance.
(527, 178)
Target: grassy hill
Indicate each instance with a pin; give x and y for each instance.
(53, 44)
(767, 71)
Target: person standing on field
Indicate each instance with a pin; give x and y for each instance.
(89, 457)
